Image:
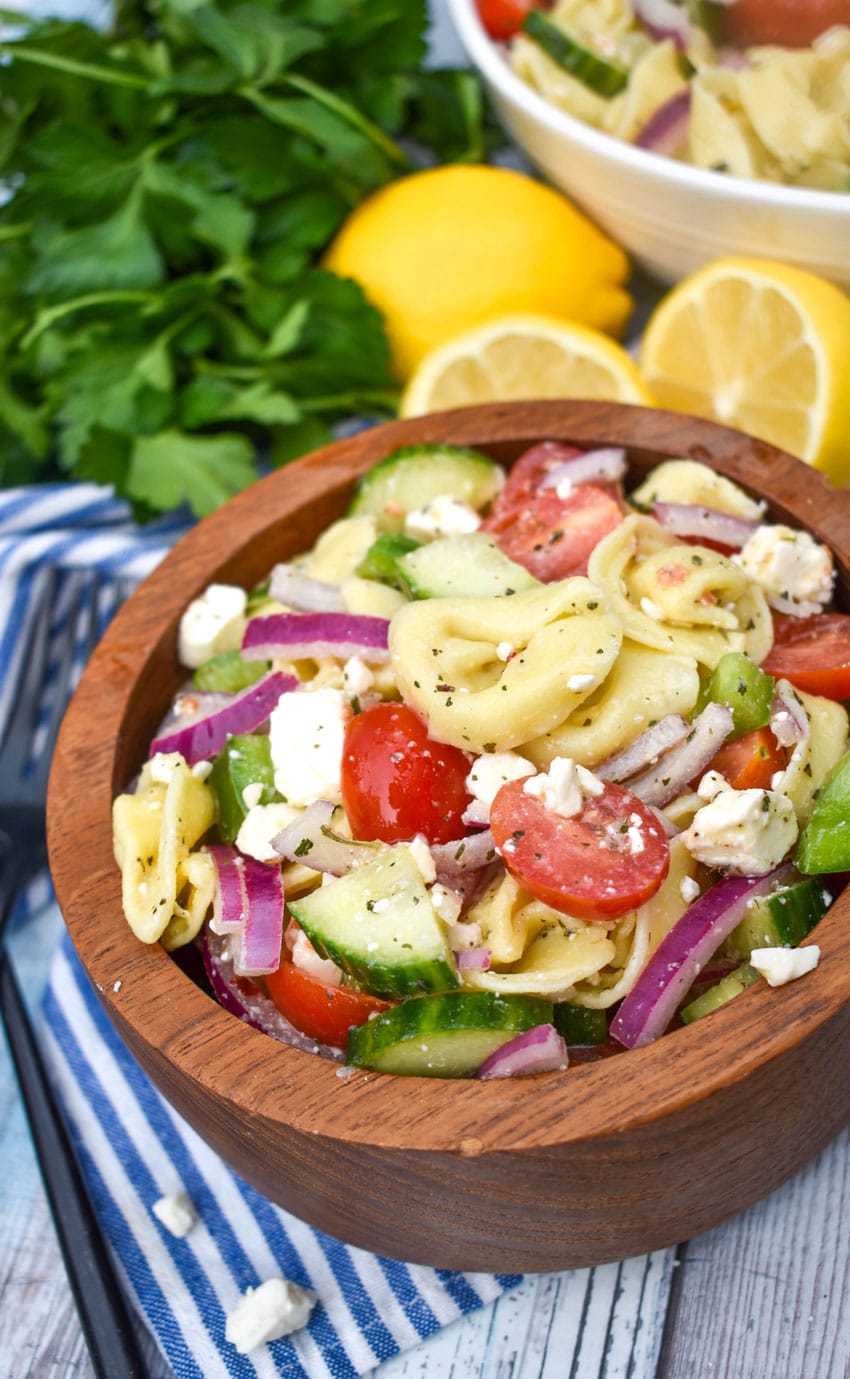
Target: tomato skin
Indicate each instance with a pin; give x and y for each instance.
(813, 653)
(322, 1012)
(553, 537)
(503, 18)
(750, 761)
(570, 863)
(397, 782)
(790, 23)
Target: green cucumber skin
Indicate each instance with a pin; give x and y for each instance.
(718, 995)
(381, 561)
(781, 920)
(245, 760)
(400, 950)
(824, 844)
(227, 673)
(470, 565)
(579, 1026)
(414, 475)
(445, 1035)
(604, 77)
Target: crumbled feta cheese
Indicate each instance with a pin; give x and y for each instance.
(443, 516)
(161, 767)
(202, 770)
(743, 831)
(564, 489)
(448, 904)
(357, 678)
(688, 889)
(252, 794)
(781, 965)
(305, 956)
(795, 571)
(211, 624)
(565, 787)
(306, 732)
(423, 859)
(176, 1213)
(505, 651)
(577, 683)
(490, 772)
(264, 1314)
(651, 610)
(262, 823)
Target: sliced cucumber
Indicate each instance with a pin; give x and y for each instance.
(448, 1035)
(227, 673)
(381, 560)
(378, 924)
(579, 1025)
(470, 565)
(824, 844)
(740, 683)
(781, 920)
(604, 77)
(722, 991)
(417, 474)
(246, 760)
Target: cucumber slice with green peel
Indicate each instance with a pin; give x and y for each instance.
(381, 560)
(446, 1035)
(246, 760)
(604, 77)
(722, 991)
(580, 1026)
(470, 565)
(379, 925)
(227, 673)
(781, 920)
(824, 844)
(417, 474)
(740, 683)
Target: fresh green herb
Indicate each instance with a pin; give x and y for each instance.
(174, 182)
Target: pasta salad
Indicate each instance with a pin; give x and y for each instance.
(665, 75)
(503, 768)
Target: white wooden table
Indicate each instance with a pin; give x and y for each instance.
(761, 1297)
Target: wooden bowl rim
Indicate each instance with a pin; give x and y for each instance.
(285, 1086)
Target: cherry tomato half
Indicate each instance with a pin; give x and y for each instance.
(551, 536)
(813, 653)
(397, 782)
(751, 760)
(598, 864)
(791, 23)
(503, 18)
(322, 1012)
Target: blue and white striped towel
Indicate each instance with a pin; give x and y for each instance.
(133, 1147)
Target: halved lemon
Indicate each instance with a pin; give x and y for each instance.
(519, 357)
(761, 346)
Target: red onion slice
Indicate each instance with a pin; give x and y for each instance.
(662, 783)
(455, 860)
(473, 959)
(291, 586)
(607, 463)
(203, 737)
(664, 19)
(684, 951)
(666, 130)
(708, 524)
(240, 996)
(538, 1050)
(294, 636)
(230, 901)
(256, 946)
(645, 749)
(311, 840)
(789, 721)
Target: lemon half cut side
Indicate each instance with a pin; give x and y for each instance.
(520, 357)
(760, 346)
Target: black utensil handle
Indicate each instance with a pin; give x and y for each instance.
(102, 1309)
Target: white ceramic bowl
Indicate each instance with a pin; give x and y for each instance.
(669, 216)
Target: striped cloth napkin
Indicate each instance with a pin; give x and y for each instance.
(133, 1147)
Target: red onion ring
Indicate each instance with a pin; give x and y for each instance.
(202, 737)
(289, 585)
(295, 636)
(538, 1050)
(709, 524)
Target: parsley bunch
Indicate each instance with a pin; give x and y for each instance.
(168, 188)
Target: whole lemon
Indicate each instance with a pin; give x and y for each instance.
(443, 250)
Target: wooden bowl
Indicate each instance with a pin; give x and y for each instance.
(560, 1170)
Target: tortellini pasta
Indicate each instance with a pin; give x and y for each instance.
(679, 598)
(154, 832)
(557, 644)
(688, 481)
